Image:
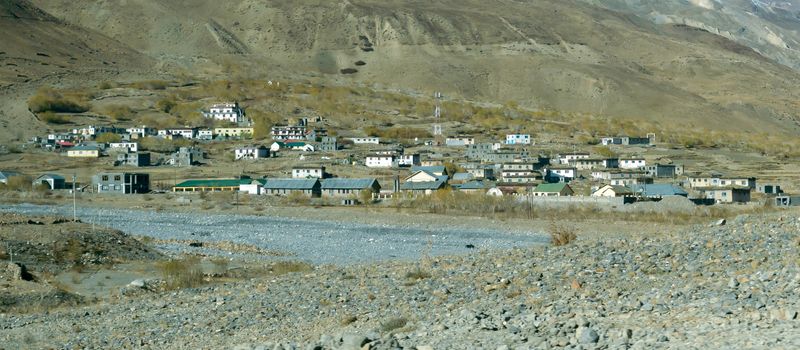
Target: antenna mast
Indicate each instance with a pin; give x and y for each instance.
(437, 113)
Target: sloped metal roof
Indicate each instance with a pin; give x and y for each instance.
(346, 184)
(290, 184)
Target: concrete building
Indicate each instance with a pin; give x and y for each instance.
(728, 195)
(632, 163)
(366, 140)
(349, 187)
(136, 159)
(251, 153)
(309, 171)
(121, 183)
(518, 139)
(380, 161)
(328, 144)
(81, 151)
(230, 112)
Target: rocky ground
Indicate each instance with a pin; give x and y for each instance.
(728, 286)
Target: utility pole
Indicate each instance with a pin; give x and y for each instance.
(74, 201)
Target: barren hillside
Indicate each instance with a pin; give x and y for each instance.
(37, 48)
(565, 55)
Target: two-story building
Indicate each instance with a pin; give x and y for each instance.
(121, 183)
(287, 132)
(229, 111)
(632, 163)
(251, 152)
(719, 180)
(518, 139)
(309, 171)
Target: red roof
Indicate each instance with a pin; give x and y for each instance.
(65, 143)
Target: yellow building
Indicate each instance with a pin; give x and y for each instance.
(83, 152)
(234, 132)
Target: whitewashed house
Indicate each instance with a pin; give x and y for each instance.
(366, 140)
(205, 134)
(308, 171)
(518, 139)
(230, 112)
(572, 157)
(380, 161)
(612, 191)
(459, 141)
(251, 152)
(408, 159)
(141, 131)
(632, 163)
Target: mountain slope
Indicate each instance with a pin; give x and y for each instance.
(564, 55)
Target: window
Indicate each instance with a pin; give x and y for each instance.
(105, 177)
(117, 178)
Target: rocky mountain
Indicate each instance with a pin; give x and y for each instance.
(699, 62)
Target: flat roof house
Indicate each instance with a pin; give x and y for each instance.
(309, 171)
(658, 190)
(339, 187)
(728, 195)
(251, 152)
(121, 183)
(612, 191)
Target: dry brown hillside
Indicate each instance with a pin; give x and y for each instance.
(563, 55)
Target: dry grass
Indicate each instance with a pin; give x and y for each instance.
(393, 324)
(181, 273)
(561, 234)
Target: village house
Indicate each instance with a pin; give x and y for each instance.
(124, 146)
(612, 191)
(622, 177)
(211, 185)
(338, 187)
(657, 190)
(186, 156)
(186, 133)
(230, 112)
(481, 187)
(251, 152)
(518, 139)
(50, 181)
(406, 160)
(482, 173)
(664, 170)
(460, 141)
(82, 151)
(632, 163)
(92, 131)
(328, 144)
(505, 156)
(719, 180)
(479, 150)
(631, 181)
(141, 131)
(728, 194)
(560, 174)
(380, 161)
(5, 175)
(553, 190)
(239, 133)
(205, 134)
(423, 182)
(438, 170)
(135, 159)
(568, 159)
(316, 134)
(625, 141)
(121, 183)
(365, 140)
(309, 171)
(462, 177)
(285, 132)
(294, 145)
(595, 163)
(284, 187)
(771, 189)
(519, 173)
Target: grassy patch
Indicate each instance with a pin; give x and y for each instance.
(181, 273)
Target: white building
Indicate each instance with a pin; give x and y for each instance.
(187, 133)
(141, 131)
(380, 161)
(305, 172)
(408, 159)
(459, 141)
(127, 146)
(226, 111)
(252, 152)
(205, 134)
(572, 157)
(366, 140)
(632, 163)
(518, 139)
(563, 172)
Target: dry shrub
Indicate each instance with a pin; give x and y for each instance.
(393, 324)
(52, 118)
(150, 85)
(284, 267)
(181, 273)
(561, 234)
(418, 274)
(47, 99)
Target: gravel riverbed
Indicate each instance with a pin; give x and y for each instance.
(313, 241)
